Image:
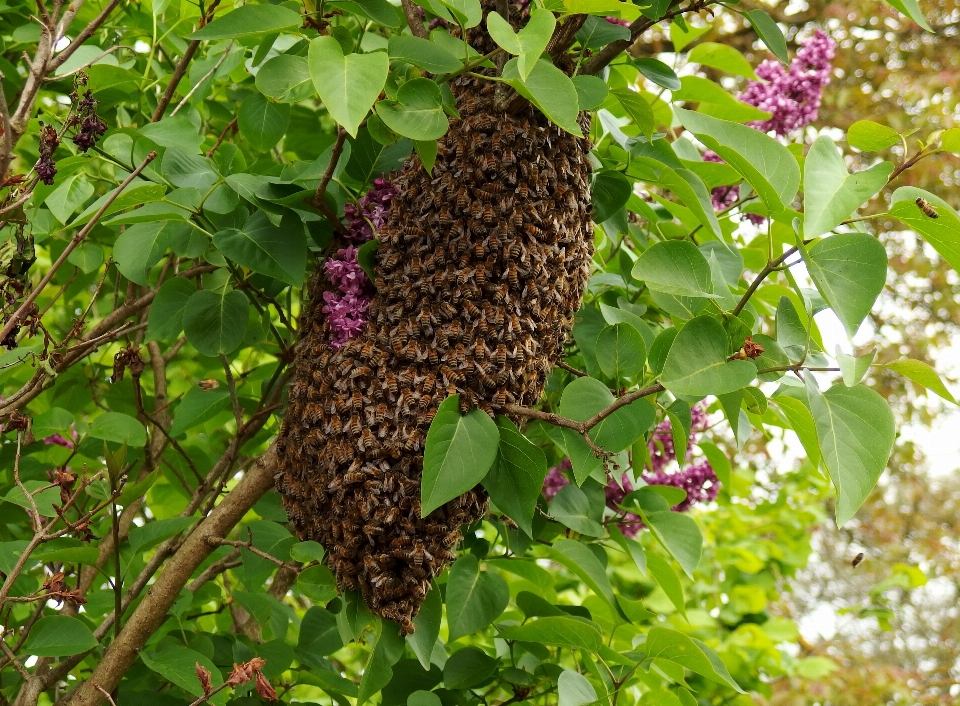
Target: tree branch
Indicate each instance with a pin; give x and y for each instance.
(583, 427)
(152, 610)
(414, 20)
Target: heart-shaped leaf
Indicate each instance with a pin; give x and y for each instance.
(698, 364)
(348, 85)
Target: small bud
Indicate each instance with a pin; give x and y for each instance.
(203, 674)
(264, 689)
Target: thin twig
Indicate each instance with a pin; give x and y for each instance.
(232, 386)
(571, 369)
(85, 34)
(248, 545)
(412, 13)
(199, 83)
(17, 664)
(7, 155)
(331, 168)
(105, 693)
(583, 427)
(216, 145)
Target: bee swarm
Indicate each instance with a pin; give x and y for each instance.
(480, 268)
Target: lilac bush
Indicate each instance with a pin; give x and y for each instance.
(347, 304)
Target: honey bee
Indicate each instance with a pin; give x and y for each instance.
(416, 268)
(928, 211)
(353, 478)
(462, 200)
(858, 559)
(516, 217)
(433, 356)
(208, 385)
(381, 413)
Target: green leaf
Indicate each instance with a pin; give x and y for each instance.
(515, 480)
(216, 322)
(286, 79)
(135, 195)
(69, 196)
(198, 406)
(856, 430)
(658, 72)
(465, 12)
(118, 428)
(801, 421)
(685, 184)
(769, 33)
(263, 123)
(317, 583)
(44, 499)
(571, 507)
(766, 164)
(417, 112)
(380, 11)
(638, 109)
(723, 57)
(556, 630)
(468, 667)
(425, 698)
(307, 551)
(830, 193)
(165, 320)
(869, 136)
(474, 598)
(682, 34)
(139, 247)
(714, 100)
(59, 636)
(672, 646)
(250, 21)
(853, 368)
(427, 624)
(940, 232)
(277, 251)
(574, 689)
(621, 351)
(915, 370)
(950, 140)
(423, 54)
(668, 580)
(460, 449)
(527, 44)
(609, 193)
(179, 666)
(318, 632)
(849, 270)
(911, 8)
(55, 420)
(677, 532)
(591, 91)
(584, 563)
(348, 85)
(379, 668)
(550, 90)
(87, 258)
(697, 363)
(597, 32)
(675, 267)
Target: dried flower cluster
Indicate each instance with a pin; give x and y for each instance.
(479, 271)
(90, 128)
(49, 141)
(792, 97)
(698, 480)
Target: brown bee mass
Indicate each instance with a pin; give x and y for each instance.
(479, 272)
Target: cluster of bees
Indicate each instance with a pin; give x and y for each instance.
(480, 268)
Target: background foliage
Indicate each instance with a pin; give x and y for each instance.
(202, 177)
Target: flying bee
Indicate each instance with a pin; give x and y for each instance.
(858, 559)
(928, 211)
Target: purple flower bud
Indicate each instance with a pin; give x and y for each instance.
(556, 479)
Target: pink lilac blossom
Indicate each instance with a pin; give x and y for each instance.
(348, 303)
(556, 479)
(792, 95)
(617, 21)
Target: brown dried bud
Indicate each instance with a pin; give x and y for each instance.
(750, 349)
(203, 674)
(264, 689)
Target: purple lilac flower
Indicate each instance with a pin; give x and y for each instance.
(92, 127)
(617, 21)
(347, 305)
(49, 141)
(699, 481)
(555, 479)
(57, 440)
(792, 95)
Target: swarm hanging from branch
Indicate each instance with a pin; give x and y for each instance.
(480, 268)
